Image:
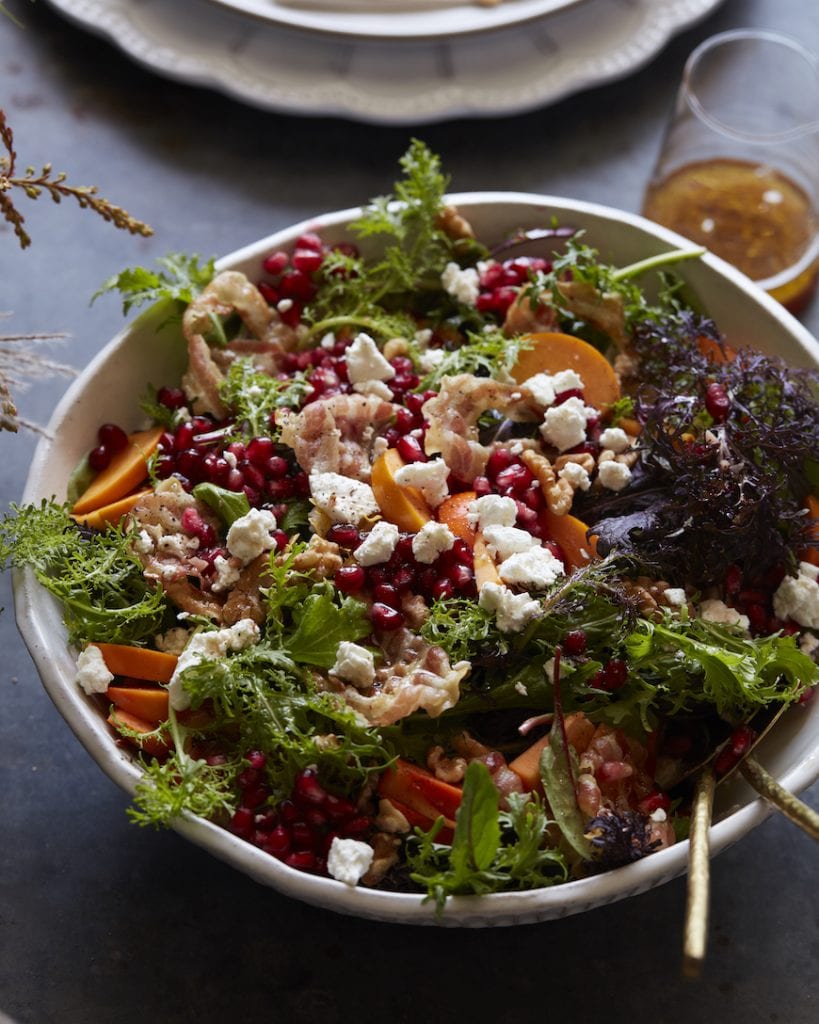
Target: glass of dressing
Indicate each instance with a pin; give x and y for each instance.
(738, 171)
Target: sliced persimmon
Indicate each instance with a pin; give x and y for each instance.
(125, 472)
(110, 515)
(552, 351)
(404, 506)
(138, 662)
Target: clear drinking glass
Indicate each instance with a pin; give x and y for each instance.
(738, 171)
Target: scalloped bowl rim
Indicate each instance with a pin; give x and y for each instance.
(795, 763)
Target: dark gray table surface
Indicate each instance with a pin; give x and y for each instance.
(104, 922)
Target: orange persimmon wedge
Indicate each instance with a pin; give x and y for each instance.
(812, 554)
(579, 731)
(148, 703)
(404, 506)
(126, 471)
(570, 533)
(138, 662)
(454, 513)
(111, 514)
(153, 745)
(551, 352)
(420, 790)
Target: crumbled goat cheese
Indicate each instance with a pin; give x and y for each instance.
(537, 568)
(177, 545)
(566, 665)
(615, 439)
(249, 535)
(209, 645)
(521, 689)
(144, 543)
(92, 672)
(564, 426)
(541, 389)
(504, 541)
(461, 284)
(354, 665)
(567, 380)
(614, 475)
(492, 510)
(378, 544)
(675, 597)
(173, 641)
(713, 610)
(348, 860)
(797, 597)
(575, 475)
(512, 611)
(808, 643)
(344, 500)
(429, 477)
(432, 540)
(366, 362)
(430, 359)
(658, 815)
(328, 341)
(226, 575)
(373, 387)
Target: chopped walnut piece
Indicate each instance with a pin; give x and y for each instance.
(584, 459)
(453, 224)
(390, 819)
(320, 558)
(385, 857)
(539, 466)
(559, 493)
(447, 769)
(396, 347)
(559, 497)
(647, 594)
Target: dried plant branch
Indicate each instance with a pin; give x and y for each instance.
(18, 367)
(33, 184)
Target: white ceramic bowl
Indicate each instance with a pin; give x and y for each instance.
(109, 389)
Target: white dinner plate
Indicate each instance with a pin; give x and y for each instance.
(397, 81)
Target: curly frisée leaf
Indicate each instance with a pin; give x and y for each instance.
(181, 279)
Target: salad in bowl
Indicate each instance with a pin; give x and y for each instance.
(418, 559)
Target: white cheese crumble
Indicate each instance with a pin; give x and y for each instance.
(378, 544)
(504, 541)
(429, 477)
(432, 540)
(808, 643)
(512, 611)
(614, 475)
(566, 665)
(348, 860)
(564, 426)
(615, 439)
(675, 597)
(540, 387)
(567, 380)
(343, 499)
(430, 359)
(144, 543)
(177, 545)
(92, 672)
(714, 610)
(366, 362)
(537, 568)
(575, 475)
(797, 597)
(492, 510)
(249, 536)
(226, 574)
(461, 284)
(173, 641)
(354, 664)
(209, 645)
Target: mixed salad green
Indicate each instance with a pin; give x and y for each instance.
(443, 570)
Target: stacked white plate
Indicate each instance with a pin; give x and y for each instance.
(391, 61)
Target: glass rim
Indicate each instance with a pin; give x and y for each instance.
(754, 35)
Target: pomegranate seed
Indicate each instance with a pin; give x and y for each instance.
(574, 642)
(270, 294)
(410, 449)
(301, 860)
(758, 617)
(387, 593)
(112, 437)
(311, 241)
(304, 837)
(279, 841)
(235, 480)
(276, 467)
(306, 260)
(275, 263)
(733, 580)
(241, 824)
(256, 759)
(307, 789)
(516, 478)
(259, 451)
(171, 398)
(403, 579)
(99, 458)
(613, 771)
(183, 438)
(481, 486)
(254, 797)
(338, 808)
(385, 618)
(717, 402)
(500, 459)
(279, 489)
(165, 466)
(295, 285)
(654, 802)
(266, 821)
(564, 396)
(358, 825)
(737, 747)
(350, 578)
(248, 778)
(614, 675)
(443, 589)
(289, 812)
(194, 525)
(405, 420)
(345, 535)
(280, 539)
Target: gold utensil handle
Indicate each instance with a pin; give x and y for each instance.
(792, 807)
(695, 936)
